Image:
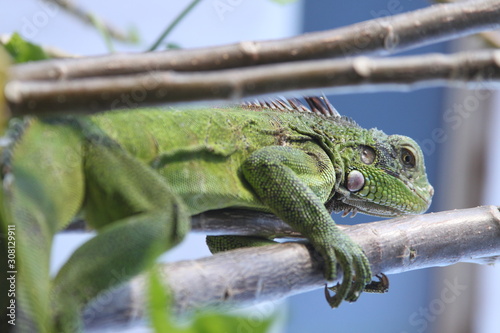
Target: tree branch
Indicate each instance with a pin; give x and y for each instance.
(272, 272)
(380, 36)
(90, 19)
(89, 95)
(228, 222)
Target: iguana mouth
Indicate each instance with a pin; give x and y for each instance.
(424, 194)
(370, 208)
(343, 201)
(348, 203)
(353, 204)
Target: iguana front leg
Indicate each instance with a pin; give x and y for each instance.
(283, 179)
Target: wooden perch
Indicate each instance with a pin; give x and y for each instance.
(247, 276)
(481, 69)
(380, 36)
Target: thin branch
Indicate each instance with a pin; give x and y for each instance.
(380, 36)
(228, 222)
(87, 95)
(173, 24)
(103, 30)
(50, 51)
(491, 38)
(88, 18)
(242, 222)
(272, 272)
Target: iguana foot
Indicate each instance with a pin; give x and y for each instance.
(355, 267)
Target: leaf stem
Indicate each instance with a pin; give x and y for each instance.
(99, 25)
(173, 25)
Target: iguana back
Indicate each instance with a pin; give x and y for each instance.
(200, 152)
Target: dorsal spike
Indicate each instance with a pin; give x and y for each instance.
(321, 105)
(314, 104)
(333, 112)
(294, 103)
(298, 105)
(284, 105)
(270, 104)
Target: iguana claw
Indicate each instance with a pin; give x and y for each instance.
(379, 287)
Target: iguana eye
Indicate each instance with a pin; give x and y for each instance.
(408, 158)
(367, 155)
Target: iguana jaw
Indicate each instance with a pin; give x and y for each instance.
(354, 205)
(347, 202)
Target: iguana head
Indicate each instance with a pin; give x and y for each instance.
(384, 176)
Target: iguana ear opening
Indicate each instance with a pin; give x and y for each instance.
(355, 181)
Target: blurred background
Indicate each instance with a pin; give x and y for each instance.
(461, 164)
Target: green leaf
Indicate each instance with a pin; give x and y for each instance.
(24, 51)
(133, 35)
(162, 321)
(99, 25)
(159, 306)
(219, 323)
(172, 46)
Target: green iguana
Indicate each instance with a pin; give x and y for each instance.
(138, 175)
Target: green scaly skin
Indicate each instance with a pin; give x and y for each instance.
(138, 175)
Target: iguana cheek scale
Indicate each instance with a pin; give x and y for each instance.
(138, 175)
